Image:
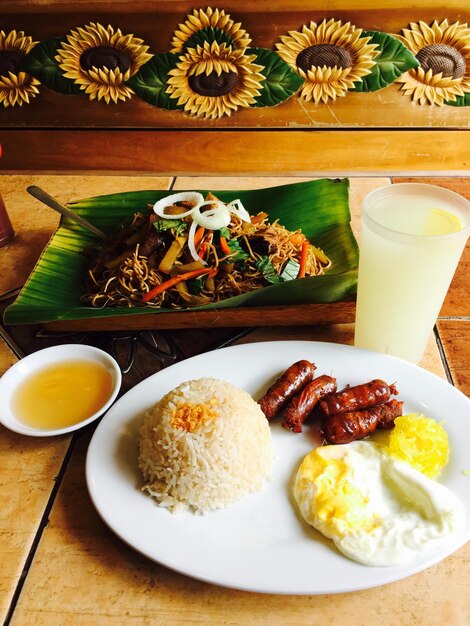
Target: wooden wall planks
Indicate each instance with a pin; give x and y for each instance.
(268, 152)
(377, 132)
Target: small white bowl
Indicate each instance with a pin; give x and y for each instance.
(14, 376)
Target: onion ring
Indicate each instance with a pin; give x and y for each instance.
(237, 207)
(215, 218)
(183, 196)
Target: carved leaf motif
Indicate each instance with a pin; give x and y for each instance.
(394, 59)
(150, 82)
(209, 34)
(461, 101)
(40, 62)
(281, 80)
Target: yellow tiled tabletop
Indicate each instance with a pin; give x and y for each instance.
(61, 565)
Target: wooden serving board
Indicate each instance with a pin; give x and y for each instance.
(291, 315)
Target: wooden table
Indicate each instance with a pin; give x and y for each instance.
(61, 565)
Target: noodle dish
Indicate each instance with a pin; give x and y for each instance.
(187, 251)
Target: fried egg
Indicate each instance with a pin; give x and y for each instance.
(378, 510)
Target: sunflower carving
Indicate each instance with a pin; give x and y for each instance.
(329, 56)
(212, 70)
(214, 79)
(443, 51)
(16, 87)
(100, 60)
(206, 24)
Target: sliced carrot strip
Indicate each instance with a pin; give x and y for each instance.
(224, 246)
(303, 259)
(199, 234)
(173, 281)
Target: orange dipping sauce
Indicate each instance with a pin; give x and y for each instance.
(62, 394)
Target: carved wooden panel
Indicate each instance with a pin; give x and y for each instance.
(143, 66)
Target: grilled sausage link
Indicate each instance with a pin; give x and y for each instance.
(285, 387)
(347, 427)
(359, 397)
(303, 403)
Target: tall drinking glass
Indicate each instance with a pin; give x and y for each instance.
(412, 237)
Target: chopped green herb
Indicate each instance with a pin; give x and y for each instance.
(240, 254)
(224, 232)
(291, 270)
(196, 285)
(266, 268)
(164, 224)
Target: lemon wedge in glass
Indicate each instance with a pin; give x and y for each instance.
(442, 222)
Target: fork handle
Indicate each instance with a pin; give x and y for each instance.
(51, 202)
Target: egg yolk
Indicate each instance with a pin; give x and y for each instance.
(377, 510)
(340, 504)
(420, 441)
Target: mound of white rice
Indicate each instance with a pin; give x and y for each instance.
(204, 445)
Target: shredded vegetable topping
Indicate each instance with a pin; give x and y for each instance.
(420, 441)
(190, 251)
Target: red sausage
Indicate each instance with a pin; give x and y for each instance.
(285, 387)
(303, 403)
(347, 427)
(358, 397)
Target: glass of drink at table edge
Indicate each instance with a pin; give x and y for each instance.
(412, 237)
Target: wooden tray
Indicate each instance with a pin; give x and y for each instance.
(52, 293)
(290, 315)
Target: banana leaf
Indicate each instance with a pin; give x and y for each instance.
(320, 208)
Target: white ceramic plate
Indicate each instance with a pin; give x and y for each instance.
(259, 543)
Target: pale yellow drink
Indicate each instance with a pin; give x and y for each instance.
(412, 237)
